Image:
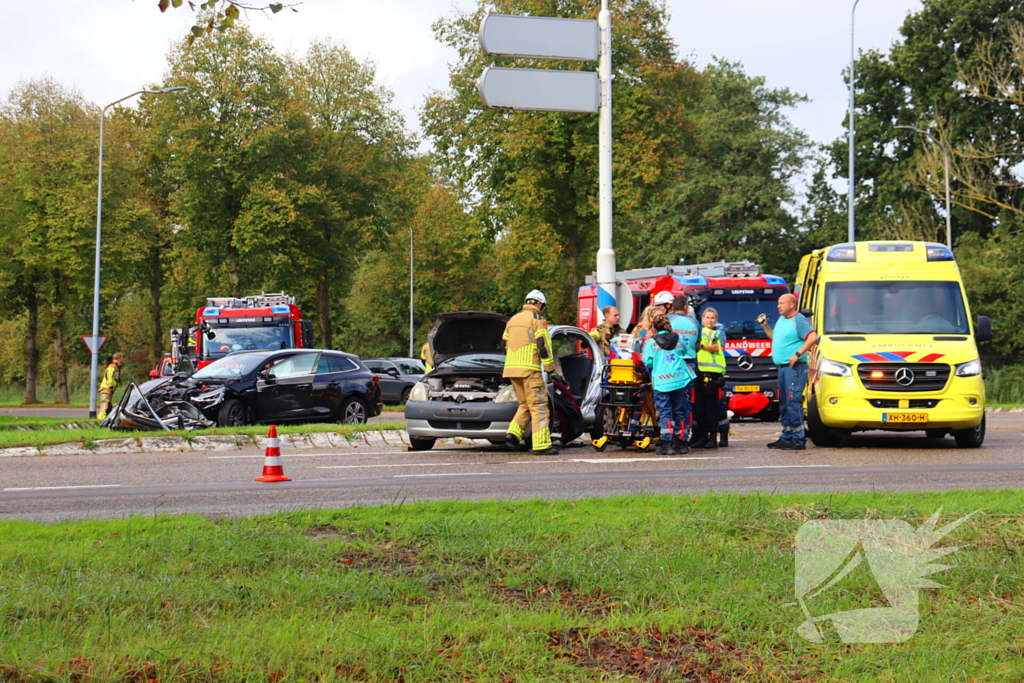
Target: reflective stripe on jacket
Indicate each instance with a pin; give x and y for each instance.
(710, 361)
(111, 376)
(527, 344)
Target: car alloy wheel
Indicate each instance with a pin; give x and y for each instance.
(353, 412)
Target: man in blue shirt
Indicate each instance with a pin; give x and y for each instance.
(791, 337)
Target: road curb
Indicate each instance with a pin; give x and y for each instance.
(217, 442)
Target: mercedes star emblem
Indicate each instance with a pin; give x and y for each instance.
(904, 377)
(745, 362)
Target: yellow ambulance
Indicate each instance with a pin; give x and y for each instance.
(896, 350)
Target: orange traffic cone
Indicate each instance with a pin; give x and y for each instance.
(273, 470)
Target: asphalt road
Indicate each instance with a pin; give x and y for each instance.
(51, 488)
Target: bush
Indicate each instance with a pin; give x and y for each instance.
(1005, 385)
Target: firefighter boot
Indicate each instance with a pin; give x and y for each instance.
(665, 447)
(698, 440)
(711, 442)
(723, 437)
(681, 447)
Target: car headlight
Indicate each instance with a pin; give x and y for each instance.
(507, 394)
(209, 396)
(971, 368)
(834, 368)
(419, 393)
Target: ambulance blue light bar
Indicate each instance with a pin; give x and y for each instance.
(842, 252)
(211, 310)
(280, 308)
(774, 280)
(939, 252)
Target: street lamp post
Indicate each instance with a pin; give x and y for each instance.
(411, 291)
(945, 156)
(850, 196)
(94, 370)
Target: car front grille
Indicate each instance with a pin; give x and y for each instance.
(747, 369)
(903, 376)
(912, 403)
(468, 425)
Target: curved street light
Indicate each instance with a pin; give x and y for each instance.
(94, 348)
(945, 155)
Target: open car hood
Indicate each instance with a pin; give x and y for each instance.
(461, 332)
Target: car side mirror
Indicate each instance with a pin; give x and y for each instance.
(211, 334)
(983, 330)
(265, 375)
(154, 374)
(806, 312)
(393, 372)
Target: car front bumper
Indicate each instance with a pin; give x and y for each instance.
(472, 420)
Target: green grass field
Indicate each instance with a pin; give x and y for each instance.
(638, 588)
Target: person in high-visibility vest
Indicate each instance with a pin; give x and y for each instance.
(527, 350)
(425, 357)
(710, 379)
(111, 378)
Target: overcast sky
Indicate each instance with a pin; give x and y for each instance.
(109, 48)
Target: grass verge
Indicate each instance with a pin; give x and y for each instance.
(636, 588)
(47, 433)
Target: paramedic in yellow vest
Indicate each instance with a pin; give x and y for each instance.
(710, 380)
(527, 350)
(111, 377)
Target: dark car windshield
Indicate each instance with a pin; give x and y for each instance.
(900, 307)
(231, 367)
(738, 316)
(474, 360)
(230, 339)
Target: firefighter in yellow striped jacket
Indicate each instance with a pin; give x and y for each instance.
(108, 384)
(527, 350)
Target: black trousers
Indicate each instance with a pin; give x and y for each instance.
(707, 392)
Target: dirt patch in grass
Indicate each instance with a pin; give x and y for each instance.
(569, 600)
(657, 656)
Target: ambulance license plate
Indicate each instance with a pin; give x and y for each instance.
(904, 417)
(746, 388)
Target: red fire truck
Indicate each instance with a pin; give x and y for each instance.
(738, 290)
(228, 324)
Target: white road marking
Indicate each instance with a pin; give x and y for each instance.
(402, 464)
(53, 488)
(303, 455)
(779, 467)
(444, 474)
(598, 461)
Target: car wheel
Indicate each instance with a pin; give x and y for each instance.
(352, 411)
(605, 421)
(405, 395)
(420, 444)
(231, 414)
(822, 436)
(971, 438)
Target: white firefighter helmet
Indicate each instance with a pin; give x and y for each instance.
(662, 298)
(538, 296)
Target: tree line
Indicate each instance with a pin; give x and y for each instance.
(297, 173)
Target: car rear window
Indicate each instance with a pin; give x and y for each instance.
(334, 364)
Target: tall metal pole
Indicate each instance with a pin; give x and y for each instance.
(949, 213)
(411, 305)
(851, 199)
(95, 351)
(606, 252)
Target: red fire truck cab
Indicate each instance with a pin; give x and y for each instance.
(739, 292)
(228, 324)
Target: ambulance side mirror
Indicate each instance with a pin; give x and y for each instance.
(806, 312)
(983, 329)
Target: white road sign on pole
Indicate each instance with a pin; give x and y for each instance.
(540, 89)
(94, 344)
(540, 37)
